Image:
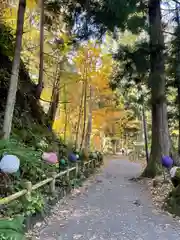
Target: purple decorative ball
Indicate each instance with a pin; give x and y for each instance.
(72, 157)
(166, 161)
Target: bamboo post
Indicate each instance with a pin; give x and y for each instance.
(83, 166)
(87, 165)
(92, 165)
(98, 162)
(53, 183)
(28, 187)
(94, 162)
(88, 168)
(102, 160)
(77, 169)
(67, 174)
(68, 179)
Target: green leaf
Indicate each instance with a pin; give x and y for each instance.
(12, 229)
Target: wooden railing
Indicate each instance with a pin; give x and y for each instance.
(28, 187)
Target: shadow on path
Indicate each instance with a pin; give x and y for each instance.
(113, 208)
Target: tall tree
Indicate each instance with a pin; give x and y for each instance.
(89, 122)
(145, 132)
(85, 109)
(177, 66)
(40, 85)
(55, 95)
(11, 98)
(79, 116)
(160, 133)
(65, 113)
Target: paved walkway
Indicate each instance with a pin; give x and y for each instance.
(113, 208)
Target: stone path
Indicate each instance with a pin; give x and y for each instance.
(113, 208)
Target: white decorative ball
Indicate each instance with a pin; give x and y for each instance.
(9, 164)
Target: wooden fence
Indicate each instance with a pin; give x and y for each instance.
(28, 187)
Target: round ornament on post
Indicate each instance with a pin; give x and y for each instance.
(167, 162)
(62, 161)
(50, 157)
(9, 164)
(72, 157)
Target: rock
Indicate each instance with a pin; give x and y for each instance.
(173, 171)
(157, 181)
(137, 202)
(38, 224)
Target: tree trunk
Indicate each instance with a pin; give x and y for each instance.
(141, 132)
(84, 122)
(160, 133)
(79, 117)
(177, 73)
(54, 98)
(179, 119)
(54, 104)
(11, 98)
(145, 134)
(40, 85)
(66, 114)
(89, 124)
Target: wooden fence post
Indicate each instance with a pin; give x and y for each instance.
(98, 162)
(28, 187)
(68, 180)
(88, 168)
(92, 165)
(83, 166)
(53, 183)
(67, 174)
(94, 162)
(77, 169)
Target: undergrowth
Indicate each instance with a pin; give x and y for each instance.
(28, 144)
(173, 201)
(12, 229)
(34, 169)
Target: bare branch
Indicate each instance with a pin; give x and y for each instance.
(51, 101)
